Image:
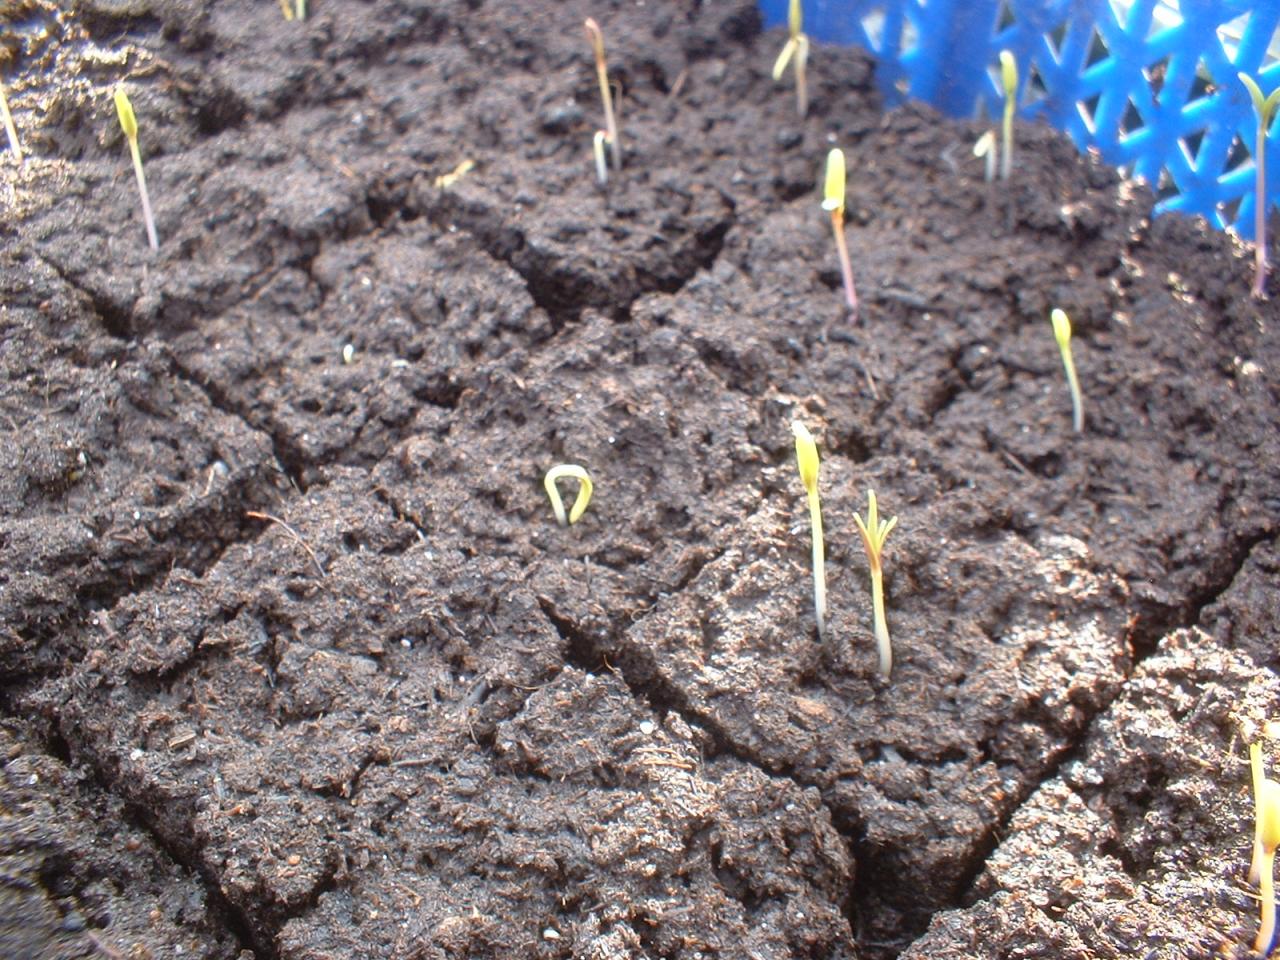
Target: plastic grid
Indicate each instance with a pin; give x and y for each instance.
(1150, 84)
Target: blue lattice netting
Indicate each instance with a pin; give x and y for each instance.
(1151, 84)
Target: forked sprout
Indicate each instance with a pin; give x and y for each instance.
(807, 462)
(833, 201)
(10, 130)
(1266, 112)
(1009, 81)
(797, 46)
(874, 533)
(1266, 806)
(553, 494)
(606, 96)
(1062, 333)
(129, 124)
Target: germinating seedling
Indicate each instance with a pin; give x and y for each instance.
(1009, 81)
(986, 149)
(129, 124)
(874, 533)
(606, 95)
(1266, 804)
(1062, 333)
(797, 46)
(10, 130)
(1266, 112)
(833, 201)
(807, 461)
(553, 494)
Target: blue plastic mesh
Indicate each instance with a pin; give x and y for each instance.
(1151, 84)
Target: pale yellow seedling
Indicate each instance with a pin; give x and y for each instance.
(129, 124)
(286, 9)
(1266, 802)
(10, 130)
(598, 149)
(606, 93)
(797, 47)
(1009, 81)
(874, 533)
(1265, 109)
(807, 462)
(833, 202)
(986, 149)
(574, 472)
(1062, 333)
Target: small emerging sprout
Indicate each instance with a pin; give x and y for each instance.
(1266, 805)
(129, 124)
(606, 94)
(1008, 80)
(9, 128)
(986, 148)
(1062, 333)
(874, 533)
(807, 462)
(833, 201)
(597, 149)
(797, 46)
(553, 494)
(1266, 112)
(286, 9)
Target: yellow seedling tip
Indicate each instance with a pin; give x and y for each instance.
(124, 110)
(1008, 74)
(1061, 327)
(584, 492)
(833, 187)
(779, 65)
(795, 19)
(806, 456)
(596, 36)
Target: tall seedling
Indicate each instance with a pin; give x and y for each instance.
(807, 462)
(1009, 81)
(797, 46)
(1265, 109)
(606, 94)
(129, 124)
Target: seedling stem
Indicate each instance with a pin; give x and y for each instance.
(9, 128)
(1009, 80)
(553, 494)
(1062, 333)
(874, 533)
(833, 201)
(597, 149)
(986, 148)
(129, 124)
(797, 46)
(606, 94)
(1265, 109)
(807, 461)
(1266, 800)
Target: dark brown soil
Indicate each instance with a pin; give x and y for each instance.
(296, 663)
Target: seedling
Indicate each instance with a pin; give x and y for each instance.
(807, 461)
(986, 148)
(300, 9)
(553, 494)
(286, 9)
(597, 149)
(797, 46)
(1062, 333)
(606, 94)
(833, 201)
(874, 533)
(1266, 804)
(9, 128)
(129, 124)
(1009, 80)
(1266, 112)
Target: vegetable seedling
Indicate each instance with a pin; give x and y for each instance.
(606, 94)
(9, 128)
(286, 9)
(129, 124)
(1062, 333)
(874, 533)
(553, 494)
(1008, 80)
(807, 461)
(1265, 109)
(1266, 804)
(833, 201)
(986, 149)
(797, 46)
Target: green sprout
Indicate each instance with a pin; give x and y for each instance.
(129, 124)
(9, 128)
(1266, 806)
(874, 533)
(1266, 112)
(606, 94)
(553, 494)
(807, 461)
(1062, 333)
(833, 201)
(797, 46)
(1008, 80)
(986, 148)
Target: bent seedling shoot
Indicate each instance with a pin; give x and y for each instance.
(606, 96)
(797, 48)
(575, 472)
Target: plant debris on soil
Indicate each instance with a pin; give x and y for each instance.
(297, 663)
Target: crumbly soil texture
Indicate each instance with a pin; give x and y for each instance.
(295, 662)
